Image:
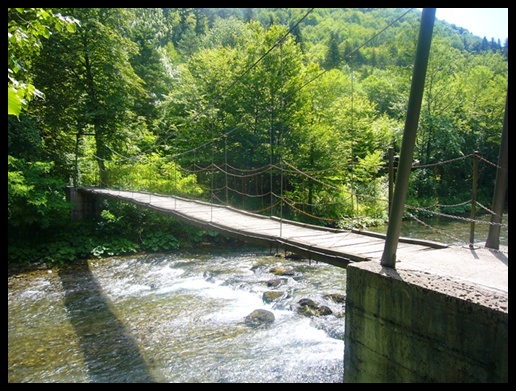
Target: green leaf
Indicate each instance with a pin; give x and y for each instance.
(71, 27)
(14, 102)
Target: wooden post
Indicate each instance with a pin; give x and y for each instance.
(493, 237)
(76, 162)
(71, 196)
(391, 178)
(226, 167)
(473, 200)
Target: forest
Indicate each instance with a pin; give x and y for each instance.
(275, 110)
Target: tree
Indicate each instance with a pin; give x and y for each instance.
(89, 83)
(25, 28)
(248, 14)
(332, 55)
(485, 44)
(148, 29)
(505, 49)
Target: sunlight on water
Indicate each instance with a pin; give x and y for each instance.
(173, 318)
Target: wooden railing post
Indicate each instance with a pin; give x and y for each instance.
(473, 199)
(391, 178)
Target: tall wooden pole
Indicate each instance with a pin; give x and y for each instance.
(409, 137)
(493, 237)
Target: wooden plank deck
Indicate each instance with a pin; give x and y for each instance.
(334, 246)
(476, 273)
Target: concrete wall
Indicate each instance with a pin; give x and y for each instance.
(401, 327)
(84, 205)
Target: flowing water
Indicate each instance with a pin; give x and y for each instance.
(181, 317)
(176, 318)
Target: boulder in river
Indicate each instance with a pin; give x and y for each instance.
(283, 271)
(310, 308)
(260, 318)
(270, 296)
(336, 297)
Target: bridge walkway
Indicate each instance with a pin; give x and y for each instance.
(482, 267)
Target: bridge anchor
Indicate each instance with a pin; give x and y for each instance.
(84, 205)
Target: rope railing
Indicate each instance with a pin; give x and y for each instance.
(254, 185)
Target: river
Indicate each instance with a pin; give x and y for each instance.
(176, 318)
(181, 317)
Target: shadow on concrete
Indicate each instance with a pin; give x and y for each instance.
(501, 256)
(496, 253)
(111, 353)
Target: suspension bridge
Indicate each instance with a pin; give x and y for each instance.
(338, 247)
(335, 246)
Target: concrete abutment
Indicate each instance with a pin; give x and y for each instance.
(411, 327)
(84, 204)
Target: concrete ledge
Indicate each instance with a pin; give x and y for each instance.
(414, 326)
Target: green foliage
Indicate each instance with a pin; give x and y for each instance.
(59, 252)
(147, 99)
(35, 198)
(120, 229)
(159, 241)
(96, 90)
(154, 174)
(118, 246)
(25, 28)
(333, 55)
